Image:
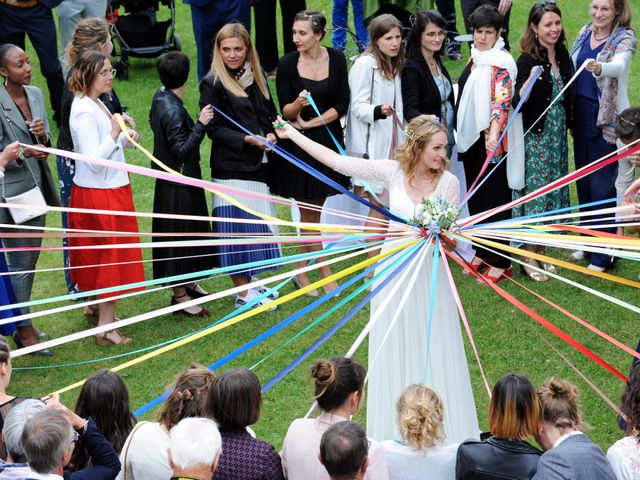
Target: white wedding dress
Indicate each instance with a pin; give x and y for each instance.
(402, 359)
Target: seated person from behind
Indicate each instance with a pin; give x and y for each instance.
(194, 448)
(49, 438)
(17, 466)
(344, 450)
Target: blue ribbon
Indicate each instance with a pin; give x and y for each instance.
(432, 296)
(335, 328)
(523, 98)
(268, 333)
(312, 171)
(341, 150)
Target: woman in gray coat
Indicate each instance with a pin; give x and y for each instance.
(23, 118)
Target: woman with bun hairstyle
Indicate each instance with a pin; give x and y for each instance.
(339, 391)
(569, 452)
(144, 454)
(514, 417)
(624, 455)
(322, 72)
(421, 452)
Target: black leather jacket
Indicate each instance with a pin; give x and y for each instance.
(176, 140)
(496, 458)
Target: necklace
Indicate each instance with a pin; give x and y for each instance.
(595, 36)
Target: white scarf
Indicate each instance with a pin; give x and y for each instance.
(474, 108)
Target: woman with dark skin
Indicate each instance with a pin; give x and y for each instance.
(23, 118)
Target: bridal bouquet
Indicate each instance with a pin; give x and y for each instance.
(435, 215)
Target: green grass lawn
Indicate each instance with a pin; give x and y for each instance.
(507, 340)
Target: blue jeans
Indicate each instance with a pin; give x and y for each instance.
(340, 17)
(66, 171)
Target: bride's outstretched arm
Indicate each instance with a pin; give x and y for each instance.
(319, 152)
(378, 171)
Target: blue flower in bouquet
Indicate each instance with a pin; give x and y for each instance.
(435, 215)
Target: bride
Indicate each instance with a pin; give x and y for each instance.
(404, 358)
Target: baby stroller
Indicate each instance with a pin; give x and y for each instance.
(139, 33)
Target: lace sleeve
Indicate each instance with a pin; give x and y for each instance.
(451, 189)
(371, 170)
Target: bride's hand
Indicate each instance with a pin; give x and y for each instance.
(282, 128)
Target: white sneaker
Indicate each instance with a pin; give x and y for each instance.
(251, 294)
(273, 295)
(596, 268)
(577, 256)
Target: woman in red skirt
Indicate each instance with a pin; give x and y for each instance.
(97, 134)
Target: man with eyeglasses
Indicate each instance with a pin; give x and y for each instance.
(34, 18)
(49, 438)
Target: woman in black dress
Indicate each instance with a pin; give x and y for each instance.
(176, 142)
(322, 72)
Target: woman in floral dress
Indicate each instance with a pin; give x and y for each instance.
(546, 149)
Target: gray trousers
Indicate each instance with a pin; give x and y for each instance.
(20, 261)
(70, 12)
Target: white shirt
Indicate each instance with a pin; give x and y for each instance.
(406, 463)
(90, 127)
(624, 457)
(144, 454)
(302, 445)
(45, 476)
(565, 436)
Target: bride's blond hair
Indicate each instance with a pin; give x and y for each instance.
(418, 134)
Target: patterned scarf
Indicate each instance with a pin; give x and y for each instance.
(621, 40)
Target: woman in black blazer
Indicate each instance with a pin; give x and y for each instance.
(426, 85)
(322, 72)
(546, 146)
(237, 86)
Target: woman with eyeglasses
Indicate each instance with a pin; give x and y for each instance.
(427, 88)
(607, 45)
(96, 132)
(543, 46)
(90, 34)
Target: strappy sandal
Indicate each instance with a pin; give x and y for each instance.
(495, 275)
(530, 271)
(476, 264)
(112, 337)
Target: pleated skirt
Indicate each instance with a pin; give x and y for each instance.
(243, 256)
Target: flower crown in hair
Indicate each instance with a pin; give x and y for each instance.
(628, 122)
(314, 18)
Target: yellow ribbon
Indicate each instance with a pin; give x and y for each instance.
(231, 200)
(555, 261)
(250, 313)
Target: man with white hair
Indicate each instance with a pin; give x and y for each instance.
(48, 440)
(194, 449)
(16, 467)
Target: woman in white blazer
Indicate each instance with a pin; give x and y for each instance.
(374, 123)
(96, 133)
